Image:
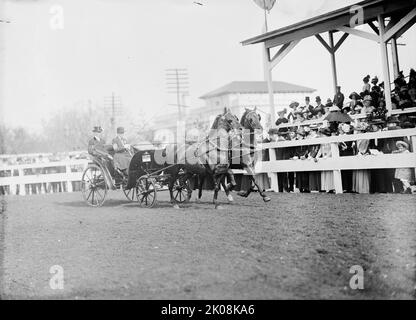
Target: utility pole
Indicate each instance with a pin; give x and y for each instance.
(177, 82)
(113, 106)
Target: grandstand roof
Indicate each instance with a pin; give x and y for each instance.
(256, 87)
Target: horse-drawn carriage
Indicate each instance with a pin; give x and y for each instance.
(212, 156)
(144, 180)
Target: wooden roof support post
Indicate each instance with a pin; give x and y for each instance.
(333, 62)
(269, 79)
(385, 65)
(395, 57)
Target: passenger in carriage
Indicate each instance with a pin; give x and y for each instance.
(123, 153)
(96, 145)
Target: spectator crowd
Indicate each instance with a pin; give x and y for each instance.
(339, 117)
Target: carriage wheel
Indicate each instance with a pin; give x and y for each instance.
(181, 190)
(93, 186)
(131, 194)
(146, 192)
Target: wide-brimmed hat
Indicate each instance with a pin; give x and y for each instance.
(325, 131)
(407, 125)
(393, 120)
(366, 78)
(376, 121)
(120, 130)
(355, 95)
(361, 126)
(314, 126)
(345, 127)
(294, 104)
(368, 98)
(273, 131)
(334, 109)
(374, 80)
(282, 111)
(97, 129)
(402, 143)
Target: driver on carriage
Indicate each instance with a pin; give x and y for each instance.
(123, 153)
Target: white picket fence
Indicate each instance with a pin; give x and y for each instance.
(336, 163)
(18, 177)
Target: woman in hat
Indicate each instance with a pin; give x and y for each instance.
(405, 175)
(281, 117)
(368, 105)
(366, 86)
(361, 178)
(313, 151)
(123, 153)
(293, 107)
(327, 177)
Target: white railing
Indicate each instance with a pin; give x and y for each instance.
(18, 177)
(336, 163)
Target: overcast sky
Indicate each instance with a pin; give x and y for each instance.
(124, 46)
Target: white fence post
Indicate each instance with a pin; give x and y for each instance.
(274, 182)
(22, 187)
(337, 173)
(68, 182)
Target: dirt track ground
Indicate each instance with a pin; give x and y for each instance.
(298, 246)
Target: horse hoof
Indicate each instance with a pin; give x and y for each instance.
(175, 206)
(230, 198)
(266, 199)
(242, 194)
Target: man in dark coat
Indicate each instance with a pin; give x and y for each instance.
(339, 98)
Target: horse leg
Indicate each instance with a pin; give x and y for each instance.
(227, 189)
(201, 179)
(170, 186)
(217, 181)
(262, 192)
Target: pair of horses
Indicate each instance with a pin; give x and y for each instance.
(231, 144)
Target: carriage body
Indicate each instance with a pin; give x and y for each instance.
(145, 178)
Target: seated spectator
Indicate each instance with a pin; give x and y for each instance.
(368, 105)
(293, 107)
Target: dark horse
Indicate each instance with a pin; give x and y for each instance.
(244, 149)
(209, 157)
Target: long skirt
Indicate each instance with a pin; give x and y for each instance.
(327, 180)
(361, 181)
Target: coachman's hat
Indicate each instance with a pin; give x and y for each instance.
(97, 129)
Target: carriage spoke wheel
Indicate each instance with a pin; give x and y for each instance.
(131, 194)
(146, 192)
(181, 190)
(93, 186)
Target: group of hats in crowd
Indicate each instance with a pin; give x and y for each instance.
(99, 129)
(315, 130)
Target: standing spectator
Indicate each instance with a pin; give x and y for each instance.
(361, 178)
(345, 150)
(366, 86)
(339, 98)
(327, 177)
(405, 175)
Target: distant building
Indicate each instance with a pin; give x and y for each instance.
(237, 96)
